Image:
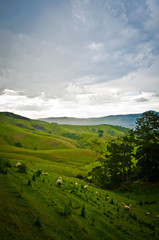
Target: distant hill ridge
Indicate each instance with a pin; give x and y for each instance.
(127, 120)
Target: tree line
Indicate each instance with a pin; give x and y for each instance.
(132, 156)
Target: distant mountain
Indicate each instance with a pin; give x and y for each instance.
(120, 120)
(127, 120)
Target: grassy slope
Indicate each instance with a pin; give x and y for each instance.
(59, 209)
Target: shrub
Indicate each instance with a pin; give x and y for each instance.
(18, 144)
(3, 168)
(4, 164)
(29, 183)
(22, 168)
(133, 216)
(80, 176)
(83, 211)
(93, 222)
(33, 178)
(8, 164)
(38, 173)
(38, 221)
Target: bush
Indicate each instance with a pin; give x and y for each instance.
(33, 178)
(8, 164)
(93, 222)
(133, 216)
(4, 164)
(83, 211)
(22, 168)
(18, 144)
(29, 183)
(38, 221)
(38, 173)
(80, 176)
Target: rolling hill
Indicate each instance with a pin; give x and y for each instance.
(33, 207)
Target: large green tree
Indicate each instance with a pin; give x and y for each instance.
(146, 135)
(116, 164)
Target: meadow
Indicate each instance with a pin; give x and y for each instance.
(32, 206)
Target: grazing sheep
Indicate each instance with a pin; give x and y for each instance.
(147, 213)
(126, 207)
(18, 164)
(45, 173)
(76, 184)
(59, 182)
(86, 186)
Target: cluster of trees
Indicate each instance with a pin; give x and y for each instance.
(131, 156)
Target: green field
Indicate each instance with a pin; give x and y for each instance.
(40, 210)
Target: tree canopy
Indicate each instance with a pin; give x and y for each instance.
(131, 156)
(146, 136)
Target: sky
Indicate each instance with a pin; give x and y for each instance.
(79, 58)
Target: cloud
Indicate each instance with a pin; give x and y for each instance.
(142, 99)
(79, 51)
(96, 46)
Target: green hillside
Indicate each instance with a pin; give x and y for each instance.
(37, 135)
(32, 206)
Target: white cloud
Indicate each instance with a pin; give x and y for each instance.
(85, 56)
(96, 46)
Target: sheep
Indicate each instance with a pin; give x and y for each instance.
(18, 164)
(86, 186)
(59, 182)
(45, 173)
(147, 213)
(76, 184)
(126, 207)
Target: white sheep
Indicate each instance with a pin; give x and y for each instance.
(59, 182)
(86, 186)
(147, 213)
(18, 164)
(45, 173)
(126, 207)
(76, 184)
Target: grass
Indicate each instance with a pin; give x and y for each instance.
(65, 205)
(33, 207)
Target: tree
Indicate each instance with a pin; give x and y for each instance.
(120, 160)
(116, 165)
(146, 136)
(100, 133)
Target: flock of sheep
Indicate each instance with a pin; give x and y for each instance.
(59, 183)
